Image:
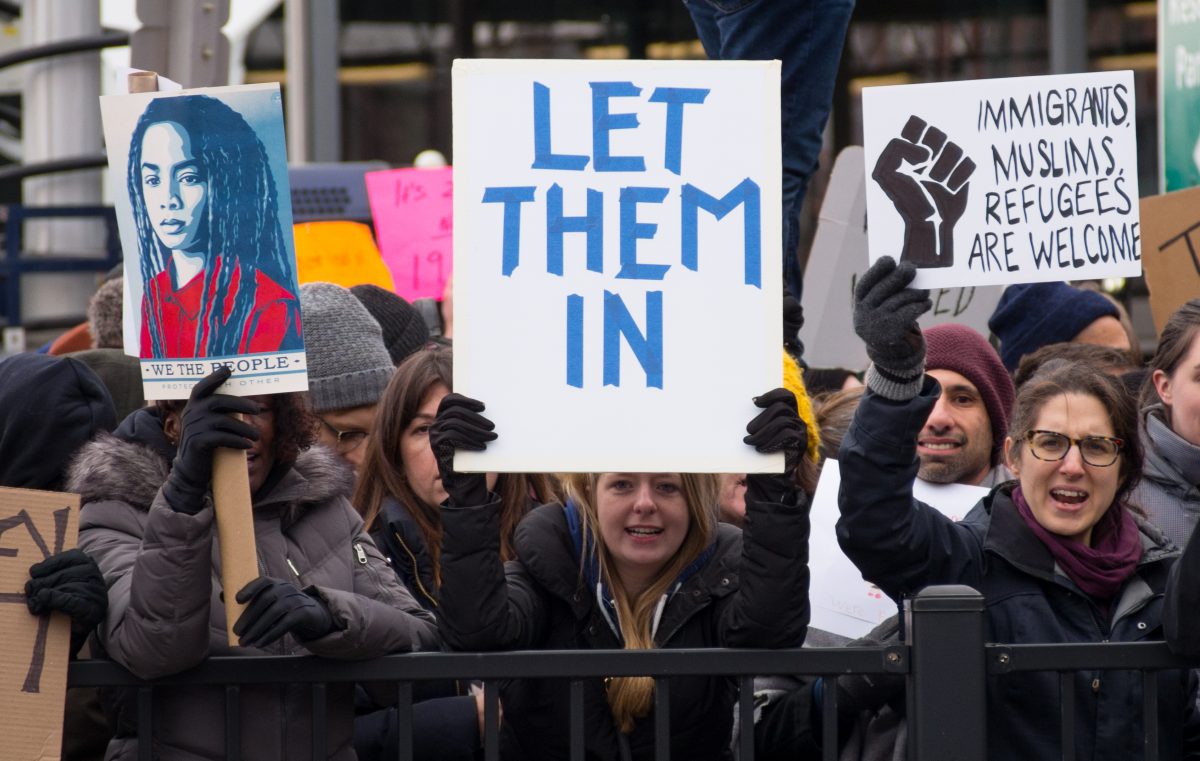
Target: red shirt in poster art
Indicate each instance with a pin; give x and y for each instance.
(273, 319)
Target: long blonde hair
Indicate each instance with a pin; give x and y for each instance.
(630, 698)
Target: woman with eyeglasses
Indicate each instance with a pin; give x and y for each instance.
(1056, 554)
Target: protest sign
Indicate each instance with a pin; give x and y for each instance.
(414, 219)
(201, 194)
(1178, 95)
(33, 526)
(842, 601)
(616, 236)
(1000, 181)
(1171, 235)
(839, 256)
(339, 252)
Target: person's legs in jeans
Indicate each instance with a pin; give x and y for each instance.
(807, 36)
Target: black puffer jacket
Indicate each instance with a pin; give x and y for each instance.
(751, 592)
(903, 545)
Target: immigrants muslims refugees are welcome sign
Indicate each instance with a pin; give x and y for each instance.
(616, 258)
(1000, 181)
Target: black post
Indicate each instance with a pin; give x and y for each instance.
(947, 698)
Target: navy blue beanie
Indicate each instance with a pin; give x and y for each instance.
(49, 408)
(1031, 316)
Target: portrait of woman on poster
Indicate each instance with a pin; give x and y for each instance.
(210, 245)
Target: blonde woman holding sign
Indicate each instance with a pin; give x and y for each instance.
(633, 561)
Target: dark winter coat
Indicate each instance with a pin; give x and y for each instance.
(903, 545)
(165, 612)
(445, 721)
(751, 592)
(403, 544)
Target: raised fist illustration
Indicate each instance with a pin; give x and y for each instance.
(926, 177)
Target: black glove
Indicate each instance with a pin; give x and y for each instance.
(206, 425)
(793, 321)
(885, 317)
(275, 608)
(778, 428)
(69, 582)
(459, 425)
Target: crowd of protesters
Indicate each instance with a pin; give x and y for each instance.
(371, 543)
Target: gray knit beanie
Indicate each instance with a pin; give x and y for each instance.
(348, 365)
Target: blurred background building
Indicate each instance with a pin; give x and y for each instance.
(369, 81)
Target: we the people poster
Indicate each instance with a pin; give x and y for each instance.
(201, 193)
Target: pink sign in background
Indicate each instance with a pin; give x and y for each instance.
(413, 212)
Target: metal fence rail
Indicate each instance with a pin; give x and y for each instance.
(945, 662)
(234, 672)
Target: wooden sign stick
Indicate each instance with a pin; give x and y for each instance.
(235, 529)
(143, 81)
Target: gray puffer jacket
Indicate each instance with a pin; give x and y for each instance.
(165, 613)
(1168, 491)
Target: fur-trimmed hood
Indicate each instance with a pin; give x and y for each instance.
(110, 468)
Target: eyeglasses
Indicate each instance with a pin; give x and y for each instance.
(1051, 446)
(347, 441)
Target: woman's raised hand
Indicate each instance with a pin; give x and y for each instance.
(459, 425)
(885, 318)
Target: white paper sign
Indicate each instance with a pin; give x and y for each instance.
(617, 290)
(998, 181)
(842, 601)
(839, 256)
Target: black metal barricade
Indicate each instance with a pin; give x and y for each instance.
(945, 661)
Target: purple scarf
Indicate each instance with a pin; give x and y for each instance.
(1098, 570)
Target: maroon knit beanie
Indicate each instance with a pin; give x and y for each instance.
(958, 348)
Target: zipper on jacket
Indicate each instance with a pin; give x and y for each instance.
(292, 565)
(416, 570)
(361, 553)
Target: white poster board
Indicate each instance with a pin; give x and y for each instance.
(617, 291)
(1000, 181)
(842, 601)
(203, 207)
(839, 256)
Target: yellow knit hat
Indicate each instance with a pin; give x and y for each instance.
(793, 380)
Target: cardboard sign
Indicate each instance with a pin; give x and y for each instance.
(201, 193)
(342, 253)
(617, 293)
(33, 526)
(1000, 181)
(413, 211)
(843, 602)
(839, 256)
(1171, 231)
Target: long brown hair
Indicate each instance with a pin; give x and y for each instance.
(382, 474)
(632, 697)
